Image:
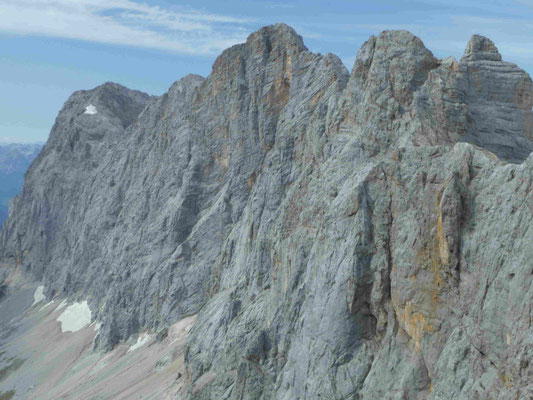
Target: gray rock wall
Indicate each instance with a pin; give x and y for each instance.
(362, 235)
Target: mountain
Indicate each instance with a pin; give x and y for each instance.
(14, 161)
(283, 229)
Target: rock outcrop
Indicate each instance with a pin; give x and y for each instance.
(340, 235)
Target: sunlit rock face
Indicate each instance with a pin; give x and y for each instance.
(341, 235)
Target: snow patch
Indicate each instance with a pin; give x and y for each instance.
(75, 317)
(46, 305)
(90, 109)
(38, 296)
(97, 326)
(141, 341)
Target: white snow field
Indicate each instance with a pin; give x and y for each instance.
(91, 110)
(38, 296)
(75, 317)
(141, 341)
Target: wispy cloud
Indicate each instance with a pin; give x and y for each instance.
(125, 22)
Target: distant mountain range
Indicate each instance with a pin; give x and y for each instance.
(14, 161)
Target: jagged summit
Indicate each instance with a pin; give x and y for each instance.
(279, 34)
(397, 57)
(113, 100)
(109, 90)
(278, 43)
(186, 83)
(481, 48)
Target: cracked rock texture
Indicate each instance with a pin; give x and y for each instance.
(363, 235)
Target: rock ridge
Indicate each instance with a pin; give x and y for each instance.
(481, 48)
(333, 230)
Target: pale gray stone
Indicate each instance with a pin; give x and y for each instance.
(362, 235)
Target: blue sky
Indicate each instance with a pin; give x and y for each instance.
(50, 48)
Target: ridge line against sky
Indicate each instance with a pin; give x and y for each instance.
(49, 48)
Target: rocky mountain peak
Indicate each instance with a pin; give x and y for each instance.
(394, 47)
(109, 103)
(278, 44)
(91, 124)
(397, 59)
(279, 37)
(116, 101)
(388, 72)
(481, 48)
(189, 80)
(329, 235)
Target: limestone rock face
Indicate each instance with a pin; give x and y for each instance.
(340, 235)
(481, 48)
(481, 100)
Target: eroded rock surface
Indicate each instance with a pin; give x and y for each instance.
(340, 235)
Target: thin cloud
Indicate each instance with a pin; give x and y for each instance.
(124, 22)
